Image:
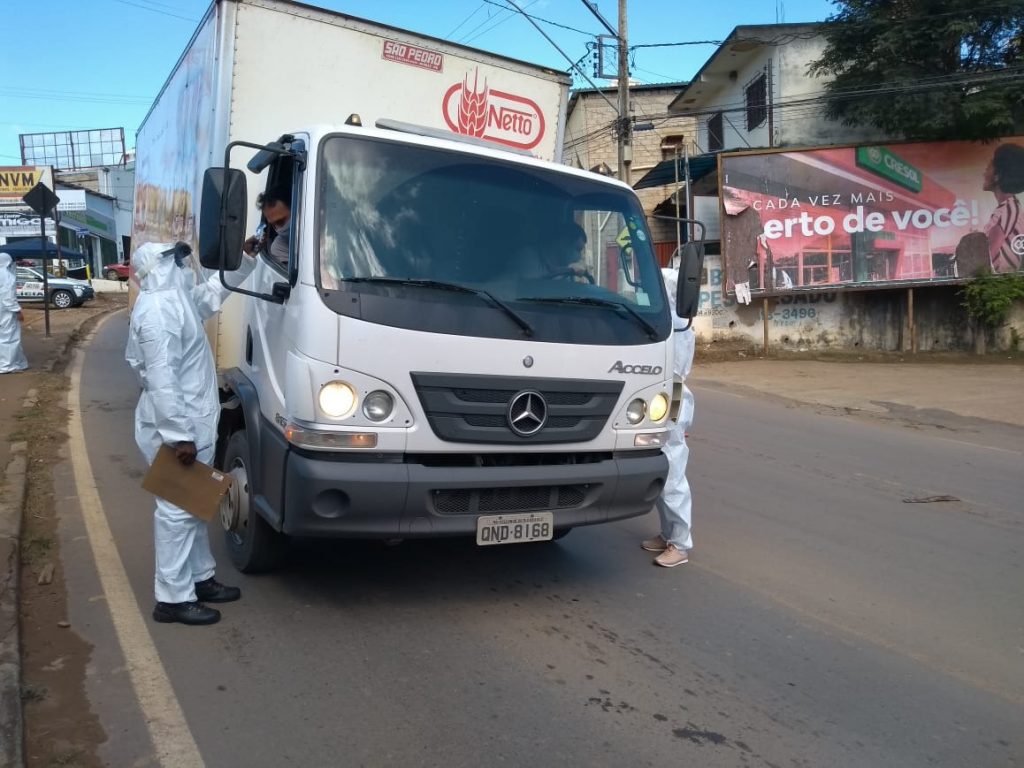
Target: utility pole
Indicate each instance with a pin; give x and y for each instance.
(624, 124)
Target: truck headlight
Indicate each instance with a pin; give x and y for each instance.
(378, 406)
(337, 399)
(659, 407)
(636, 411)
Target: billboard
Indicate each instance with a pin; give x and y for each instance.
(74, 150)
(17, 180)
(867, 216)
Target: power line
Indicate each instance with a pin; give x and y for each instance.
(461, 23)
(811, 105)
(546, 21)
(28, 93)
(155, 10)
(882, 89)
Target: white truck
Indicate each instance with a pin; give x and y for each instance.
(434, 356)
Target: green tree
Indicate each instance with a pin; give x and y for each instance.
(926, 69)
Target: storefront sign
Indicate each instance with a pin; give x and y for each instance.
(16, 181)
(71, 200)
(90, 222)
(15, 223)
(890, 166)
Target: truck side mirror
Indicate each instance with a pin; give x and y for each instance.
(222, 219)
(691, 265)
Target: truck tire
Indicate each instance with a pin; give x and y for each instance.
(62, 299)
(254, 547)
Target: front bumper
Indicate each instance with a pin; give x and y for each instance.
(399, 498)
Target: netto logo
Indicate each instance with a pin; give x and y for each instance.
(479, 110)
(643, 370)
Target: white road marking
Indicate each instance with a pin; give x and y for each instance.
(172, 739)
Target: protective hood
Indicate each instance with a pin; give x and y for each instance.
(155, 268)
(7, 272)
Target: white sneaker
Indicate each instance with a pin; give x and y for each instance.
(672, 556)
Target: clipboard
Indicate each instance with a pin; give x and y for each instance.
(198, 489)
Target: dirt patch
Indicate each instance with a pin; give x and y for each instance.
(60, 727)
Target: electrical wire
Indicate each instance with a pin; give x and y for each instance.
(546, 21)
(92, 98)
(461, 23)
(155, 10)
(883, 89)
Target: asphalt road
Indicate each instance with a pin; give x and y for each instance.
(822, 620)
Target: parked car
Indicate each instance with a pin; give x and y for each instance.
(64, 292)
(115, 271)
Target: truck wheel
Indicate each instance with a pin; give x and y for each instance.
(62, 299)
(112, 275)
(254, 547)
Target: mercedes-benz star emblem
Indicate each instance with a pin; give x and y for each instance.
(527, 413)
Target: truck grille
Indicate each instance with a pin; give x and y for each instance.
(467, 501)
(475, 408)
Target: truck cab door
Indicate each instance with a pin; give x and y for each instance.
(268, 328)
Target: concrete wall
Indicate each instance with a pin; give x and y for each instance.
(799, 124)
(869, 320)
(119, 183)
(730, 96)
(795, 121)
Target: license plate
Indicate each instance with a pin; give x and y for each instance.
(514, 529)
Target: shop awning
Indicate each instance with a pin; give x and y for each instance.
(664, 173)
(33, 250)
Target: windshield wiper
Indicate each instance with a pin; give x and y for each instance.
(593, 301)
(444, 286)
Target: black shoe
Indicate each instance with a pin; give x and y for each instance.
(192, 612)
(212, 591)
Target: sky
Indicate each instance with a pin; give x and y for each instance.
(100, 63)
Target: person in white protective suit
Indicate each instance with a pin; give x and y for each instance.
(12, 357)
(674, 543)
(179, 407)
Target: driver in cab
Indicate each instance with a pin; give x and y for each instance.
(562, 258)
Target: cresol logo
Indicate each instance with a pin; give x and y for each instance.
(481, 111)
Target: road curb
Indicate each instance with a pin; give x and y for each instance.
(11, 505)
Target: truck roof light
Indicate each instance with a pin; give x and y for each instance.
(355, 120)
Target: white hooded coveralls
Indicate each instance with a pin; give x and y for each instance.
(12, 357)
(169, 351)
(674, 505)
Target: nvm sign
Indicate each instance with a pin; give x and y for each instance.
(16, 181)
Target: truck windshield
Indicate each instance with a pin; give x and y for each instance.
(402, 223)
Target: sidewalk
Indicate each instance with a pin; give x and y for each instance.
(17, 397)
(908, 390)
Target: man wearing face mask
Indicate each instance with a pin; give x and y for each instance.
(179, 407)
(275, 205)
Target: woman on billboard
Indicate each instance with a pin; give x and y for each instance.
(1004, 177)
